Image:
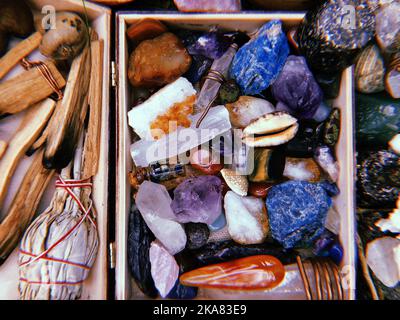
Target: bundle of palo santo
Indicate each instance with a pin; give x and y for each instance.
(60, 100)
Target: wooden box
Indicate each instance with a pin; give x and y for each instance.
(344, 203)
(95, 287)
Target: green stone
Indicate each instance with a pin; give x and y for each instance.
(377, 119)
(229, 92)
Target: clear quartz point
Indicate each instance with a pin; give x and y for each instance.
(211, 87)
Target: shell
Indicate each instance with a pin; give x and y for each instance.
(370, 71)
(251, 273)
(272, 140)
(247, 109)
(237, 183)
(272, 129)
(270, 123)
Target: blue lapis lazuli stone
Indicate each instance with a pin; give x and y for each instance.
(297, 211)
(257, 64)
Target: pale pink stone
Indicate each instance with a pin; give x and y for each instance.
(208, 5)
(164, 269)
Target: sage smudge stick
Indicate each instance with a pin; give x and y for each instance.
(59, 249)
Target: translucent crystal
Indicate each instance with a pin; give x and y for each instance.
(154, 203)
(388, 27)
(198, 200)
(211, 87)
(164, 269)
(208, 5)
(297, 88)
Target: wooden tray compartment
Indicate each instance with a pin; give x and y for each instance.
(344, 203)
(95, 287)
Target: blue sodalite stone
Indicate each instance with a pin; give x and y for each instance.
(257, 64)
(331, 188)
(297, 212)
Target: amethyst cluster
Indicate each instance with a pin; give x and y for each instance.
(198, 200)
(296, 89)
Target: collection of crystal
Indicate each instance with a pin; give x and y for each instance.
(213, 224)
(377, 82)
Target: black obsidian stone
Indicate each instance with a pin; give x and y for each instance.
(139, 239)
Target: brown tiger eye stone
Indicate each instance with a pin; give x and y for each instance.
(158, 61)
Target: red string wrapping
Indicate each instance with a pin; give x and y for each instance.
(46, 73)
(68, 185)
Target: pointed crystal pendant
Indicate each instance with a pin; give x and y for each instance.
(251, 273)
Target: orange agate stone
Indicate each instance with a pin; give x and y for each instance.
(252, 273)
(145, 29)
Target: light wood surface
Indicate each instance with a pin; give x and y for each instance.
(26, 89)
(20, 51)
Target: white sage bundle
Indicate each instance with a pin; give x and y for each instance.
(59, 249)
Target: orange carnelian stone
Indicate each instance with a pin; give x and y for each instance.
(145, 29)
(252, 273)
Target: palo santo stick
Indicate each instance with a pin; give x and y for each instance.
(3, 148)
(67, 123)
(29, 130)
(26, 89)
(20, 51)
(24, 206)
(92, 143)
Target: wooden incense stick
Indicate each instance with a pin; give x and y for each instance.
(29, 130)
(20, 51)
(3, 148)
(26, 89)
(68, 120)
(92, 143)
(24, 206)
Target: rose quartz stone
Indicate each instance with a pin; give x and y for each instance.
(164, 269)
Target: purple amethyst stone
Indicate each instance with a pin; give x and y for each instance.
(198, 200)
(297, 89)
(211, 45)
